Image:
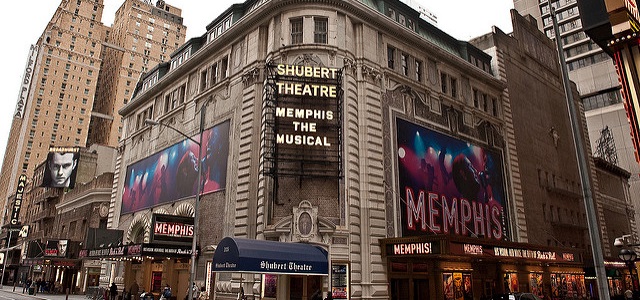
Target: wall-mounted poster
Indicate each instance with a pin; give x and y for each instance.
(511, 282)
(467, 288)
(536, 284)
(340, 281)
(172, 173)
(447, 288)
(61, 167)
(270, 286)
(449, 186)
(457, 286)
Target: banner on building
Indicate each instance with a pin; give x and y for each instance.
(23, 95)
(17, 202)
(448, 186)
(61, 167)
(172, 173)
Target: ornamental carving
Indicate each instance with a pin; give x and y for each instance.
(252, 76)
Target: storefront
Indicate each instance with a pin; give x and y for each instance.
(58, 274)
(454, 267)
(150, 266)
(289, 270)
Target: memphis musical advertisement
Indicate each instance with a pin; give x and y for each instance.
(449, 186)
(172, 173)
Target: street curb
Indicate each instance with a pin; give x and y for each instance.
(71, 296)
(25, 294)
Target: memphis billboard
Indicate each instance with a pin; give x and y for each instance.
(449, 186)
(172, 173)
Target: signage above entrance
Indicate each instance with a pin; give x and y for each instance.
(269, 257)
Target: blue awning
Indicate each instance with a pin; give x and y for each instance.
(269, 257)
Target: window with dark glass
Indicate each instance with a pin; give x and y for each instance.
(320, 30)
(296, 31)
(418, 70)
(405, 64)
(443, 83)
(454, 91)
(391, 53)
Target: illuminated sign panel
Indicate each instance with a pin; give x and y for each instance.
(173, 229)
(303, 120)
(17, 202)
(632, 7)
(449, 186)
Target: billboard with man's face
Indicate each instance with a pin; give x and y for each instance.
(172, 173)
(448, 186)
(61, 167)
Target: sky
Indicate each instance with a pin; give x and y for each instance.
(462, 19)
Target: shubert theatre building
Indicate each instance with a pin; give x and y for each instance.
(347, 148)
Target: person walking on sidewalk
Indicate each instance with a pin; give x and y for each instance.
(113, 291)
(27, 285)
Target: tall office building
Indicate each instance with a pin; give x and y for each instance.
(56, 94)
(79, 73)
(142, 36)
(594, 73)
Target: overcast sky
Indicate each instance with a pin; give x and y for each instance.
(25, 21)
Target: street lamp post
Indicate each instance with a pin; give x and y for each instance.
(629, 257)
(192, 274)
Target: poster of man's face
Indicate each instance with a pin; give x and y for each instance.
(61, 167)
(62, 248)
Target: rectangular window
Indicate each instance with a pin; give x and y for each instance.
(494, 106)
(214, 73)
(203, 80)
(418, 70)
(391, 53)
(444, 88)
(296, 31)
(405, 64)
(320, 31)
(475, 98)
(224, 68)
(454, 89)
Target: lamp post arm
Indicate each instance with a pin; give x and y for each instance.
(153, 122)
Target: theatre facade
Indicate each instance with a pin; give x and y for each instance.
(346, 148)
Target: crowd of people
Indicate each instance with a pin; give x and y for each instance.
(135, 293)
(42, 286)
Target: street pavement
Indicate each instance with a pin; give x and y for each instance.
(7, 293)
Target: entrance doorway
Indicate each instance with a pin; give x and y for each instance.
(305, 287)
(410, 288)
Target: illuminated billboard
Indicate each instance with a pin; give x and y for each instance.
(61, 167)
(448, 186)
(171, 174)
(302, 111)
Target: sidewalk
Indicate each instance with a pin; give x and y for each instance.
(45, 296)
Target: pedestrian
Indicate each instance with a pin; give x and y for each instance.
(113, 291)
(166, 293)
(134, 289)
(38, 285)
(203, 294)
(628, 294)
(26, 285)
(195, 292)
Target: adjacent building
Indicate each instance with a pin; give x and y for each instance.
(611, 124)
(79, 73)
(142, 36)
(57, 92)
